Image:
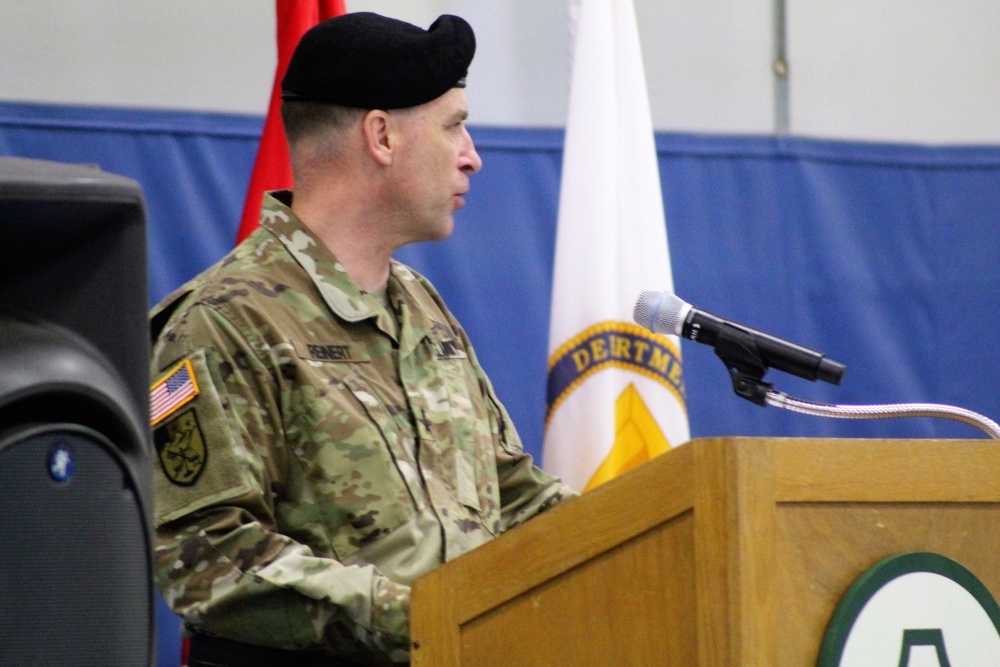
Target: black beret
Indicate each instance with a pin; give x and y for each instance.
(370, 61)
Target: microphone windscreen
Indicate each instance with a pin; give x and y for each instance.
(660, 312)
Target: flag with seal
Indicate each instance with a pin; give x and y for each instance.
(616, 394)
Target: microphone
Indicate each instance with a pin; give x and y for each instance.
(740, 347)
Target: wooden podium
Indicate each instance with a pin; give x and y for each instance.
(729, 551)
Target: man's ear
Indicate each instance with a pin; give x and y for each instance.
(379, 133)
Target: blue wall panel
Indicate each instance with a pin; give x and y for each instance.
(883, 256)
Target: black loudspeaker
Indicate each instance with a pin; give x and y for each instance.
(75, 468)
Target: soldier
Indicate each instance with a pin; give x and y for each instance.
(324, 431)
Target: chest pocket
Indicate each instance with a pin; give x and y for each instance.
(344, 439)
(454, 425)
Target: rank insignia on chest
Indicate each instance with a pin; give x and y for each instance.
(450, 349)
(181, 448)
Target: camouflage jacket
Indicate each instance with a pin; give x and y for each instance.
(319, 450)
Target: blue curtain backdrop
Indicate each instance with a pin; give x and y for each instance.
(882, 256)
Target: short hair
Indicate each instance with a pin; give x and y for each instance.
(302, 120)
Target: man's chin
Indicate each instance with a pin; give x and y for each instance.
(445, 233)
(441, 231)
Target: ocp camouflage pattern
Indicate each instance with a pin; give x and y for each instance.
(351, 443)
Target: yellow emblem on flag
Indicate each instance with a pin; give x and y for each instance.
(638, 438)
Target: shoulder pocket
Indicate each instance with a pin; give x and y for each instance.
(199, 458)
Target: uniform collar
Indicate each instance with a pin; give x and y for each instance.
(339, 292)
(413, 303)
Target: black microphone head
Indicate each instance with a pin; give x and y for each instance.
(660, 312)
(830, 371)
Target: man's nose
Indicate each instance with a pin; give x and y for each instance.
(469, 160)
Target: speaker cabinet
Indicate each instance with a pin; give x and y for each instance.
(75, 468)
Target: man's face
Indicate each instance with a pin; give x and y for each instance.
(437, 157)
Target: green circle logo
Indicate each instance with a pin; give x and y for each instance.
(914, 610)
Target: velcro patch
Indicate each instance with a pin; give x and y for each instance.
(450, 349)
(181, 448)
(173, 391)
(333, 352)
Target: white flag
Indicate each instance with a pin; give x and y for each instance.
(615, 391)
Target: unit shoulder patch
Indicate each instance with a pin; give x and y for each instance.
(181, 448)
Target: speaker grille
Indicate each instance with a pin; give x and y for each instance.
(75, 579)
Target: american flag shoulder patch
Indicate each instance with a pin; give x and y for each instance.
(175, 389)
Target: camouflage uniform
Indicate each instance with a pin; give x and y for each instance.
(327, 451)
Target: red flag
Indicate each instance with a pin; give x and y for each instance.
(272, 169)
